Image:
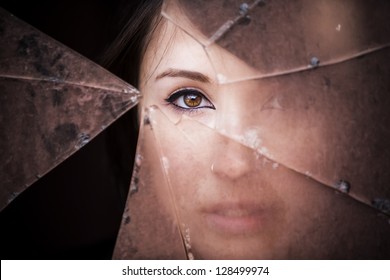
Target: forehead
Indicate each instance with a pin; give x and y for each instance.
(172, 48)
(183, 47)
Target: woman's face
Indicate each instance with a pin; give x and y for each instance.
(228, 162)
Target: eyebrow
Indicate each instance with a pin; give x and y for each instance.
(193, 75)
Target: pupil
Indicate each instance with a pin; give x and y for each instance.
(192, 100)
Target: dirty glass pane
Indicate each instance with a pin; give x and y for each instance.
(229, 201)
(318, 125)
(52, 102)
(275, 37)
(263, 136)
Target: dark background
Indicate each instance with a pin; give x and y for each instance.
(74, 212)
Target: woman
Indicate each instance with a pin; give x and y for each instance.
(257, 131)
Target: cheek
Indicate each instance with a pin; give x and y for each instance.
(186, 165)
(178, 163)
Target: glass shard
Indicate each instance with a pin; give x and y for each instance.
(283, 36)
(53, 101)
(151, 232)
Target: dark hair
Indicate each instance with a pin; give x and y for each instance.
(124, 55)
(133, 25)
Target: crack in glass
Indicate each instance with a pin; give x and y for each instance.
(326, 36)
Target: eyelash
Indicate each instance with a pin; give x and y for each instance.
(175, 97)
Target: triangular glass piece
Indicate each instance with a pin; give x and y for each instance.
(52, 102)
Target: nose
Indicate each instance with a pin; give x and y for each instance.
(231, 160)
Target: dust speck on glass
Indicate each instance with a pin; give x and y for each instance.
(83, 139)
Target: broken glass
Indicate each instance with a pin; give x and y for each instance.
(264, 133)
(53, 101)
(308, 34)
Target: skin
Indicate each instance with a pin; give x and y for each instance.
(230, 201)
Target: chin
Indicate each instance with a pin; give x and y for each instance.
(237, 248)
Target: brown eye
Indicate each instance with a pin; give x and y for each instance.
(189, 99)
(192, 100)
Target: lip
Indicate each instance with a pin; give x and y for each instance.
(236, 218)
